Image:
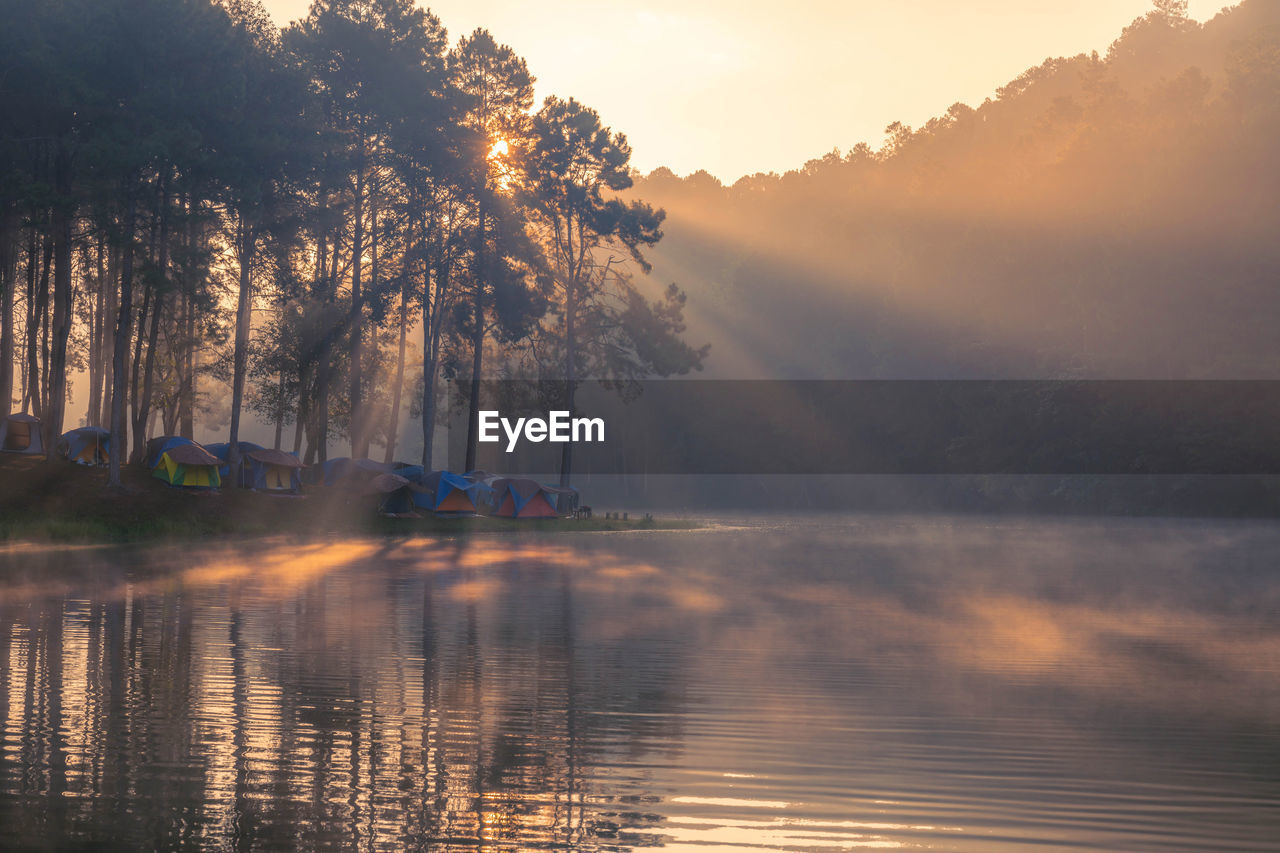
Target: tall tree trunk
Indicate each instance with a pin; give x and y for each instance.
(44, 329)
(62, 215)
(135, 380)
(145, 412)
(358, 447)
(42, 321)
(433, 317)
(320, 443)
(187, 392)
(304, 408)
(393, 426)
(571, 377)
(428, 402)
(477, 336)
(8, 275)
(30, 331)
(97, 330)
(153, 336)
(279, 411)
(120, 348)
(187, 366)
(37, 300)
(246, 241)
(169, 420)
(109, 331)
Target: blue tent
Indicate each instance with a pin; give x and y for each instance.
(261, 468)
(222, 450)
(395, 494)
(181, 462)
(86, 446)
(524, 498)
(444, 492)
(412, 473)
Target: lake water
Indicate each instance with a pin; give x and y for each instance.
(830, 683)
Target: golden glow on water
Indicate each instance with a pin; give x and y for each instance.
(284, 566)
(913, 685)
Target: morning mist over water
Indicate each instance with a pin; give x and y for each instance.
(962, 684)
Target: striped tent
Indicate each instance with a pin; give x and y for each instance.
(181, 462)
(444, 492)
(525, 498)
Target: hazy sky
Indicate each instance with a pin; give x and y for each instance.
(743, 86)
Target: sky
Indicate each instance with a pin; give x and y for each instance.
(743, 86)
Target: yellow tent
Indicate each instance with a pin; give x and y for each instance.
(182, 462)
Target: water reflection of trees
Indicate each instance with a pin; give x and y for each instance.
(414, 697)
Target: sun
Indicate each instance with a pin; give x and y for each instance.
(499, 149)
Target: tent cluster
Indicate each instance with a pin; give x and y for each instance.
(405, 489)
(395, 489)
(524, 498)
(21, 433)
(182, 462)
(445, 493)
(520, 497)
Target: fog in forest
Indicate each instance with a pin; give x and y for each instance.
(1111, 215)
(349, 215)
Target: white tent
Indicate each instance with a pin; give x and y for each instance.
(20, 433)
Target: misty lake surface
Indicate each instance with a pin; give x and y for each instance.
(824, 683)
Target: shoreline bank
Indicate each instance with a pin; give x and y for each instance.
(61, 502)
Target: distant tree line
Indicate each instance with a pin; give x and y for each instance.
(330, 219)
(1107, 215)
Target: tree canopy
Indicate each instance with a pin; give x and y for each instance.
(201, 214)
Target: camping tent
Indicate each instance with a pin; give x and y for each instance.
(222, 450)
(445, 493)
(394, 493)
(181, 462)
(20, 433)
(364, 477)
(86, 446)
(524, 498)
(273, 470)
(260, 467)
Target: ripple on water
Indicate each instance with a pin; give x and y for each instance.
(970, 685)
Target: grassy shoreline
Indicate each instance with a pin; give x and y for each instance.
(61, 502)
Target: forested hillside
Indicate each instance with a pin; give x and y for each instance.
(1108, 215)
